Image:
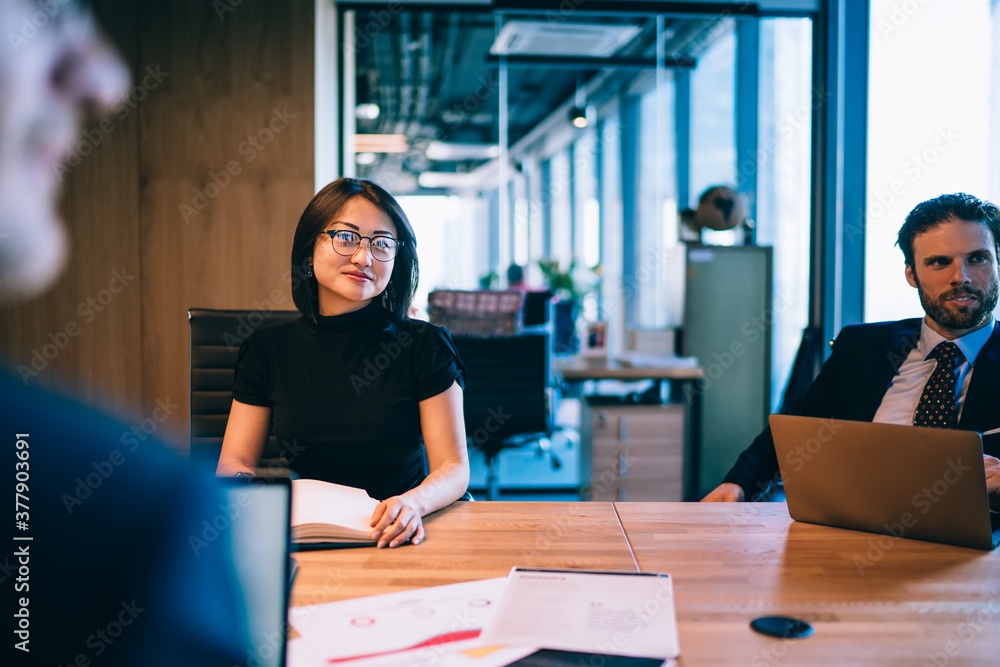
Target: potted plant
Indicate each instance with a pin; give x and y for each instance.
(568, 290)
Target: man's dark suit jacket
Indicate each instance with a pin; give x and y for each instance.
(854, 380)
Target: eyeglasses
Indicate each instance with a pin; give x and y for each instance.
(346, 242)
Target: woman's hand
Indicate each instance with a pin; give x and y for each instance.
(396, 520)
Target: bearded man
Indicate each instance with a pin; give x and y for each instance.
(881, 372)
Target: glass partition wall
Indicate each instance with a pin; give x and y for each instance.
(579, 139)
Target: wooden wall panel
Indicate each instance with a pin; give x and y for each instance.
(219, 82)
(231, 135)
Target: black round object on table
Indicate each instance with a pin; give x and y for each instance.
(783, 627)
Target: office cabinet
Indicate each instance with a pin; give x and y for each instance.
(727, 325)
(634, 452)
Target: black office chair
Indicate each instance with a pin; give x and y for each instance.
(509, 395)
(216, 336)
(539, 309)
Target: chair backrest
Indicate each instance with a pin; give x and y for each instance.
(508, 392)
(539, 309)
(216, 337)
(477, 312)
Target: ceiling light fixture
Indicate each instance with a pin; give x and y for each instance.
(367, 111)
(380, 143)
(581, 117)
(581, 114)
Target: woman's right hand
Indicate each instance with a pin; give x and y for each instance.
(396, 520)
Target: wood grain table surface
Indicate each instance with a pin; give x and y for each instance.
(873, 600)
(468, 541)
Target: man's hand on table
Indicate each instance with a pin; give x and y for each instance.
(725, 493)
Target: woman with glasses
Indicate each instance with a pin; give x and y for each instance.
(356, 391)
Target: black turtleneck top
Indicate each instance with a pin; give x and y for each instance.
(344, 394)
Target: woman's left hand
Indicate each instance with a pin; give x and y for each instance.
(396, 520)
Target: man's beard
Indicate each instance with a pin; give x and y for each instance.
(962, 317)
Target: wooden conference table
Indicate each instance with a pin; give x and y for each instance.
(873, 600)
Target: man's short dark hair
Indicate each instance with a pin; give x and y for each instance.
(959, 206)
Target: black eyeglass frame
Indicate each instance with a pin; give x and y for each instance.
(370, 239)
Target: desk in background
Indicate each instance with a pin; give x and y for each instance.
(638, 451)
(915, 602)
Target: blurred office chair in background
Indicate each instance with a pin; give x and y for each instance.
(510, 396)
(216, 337)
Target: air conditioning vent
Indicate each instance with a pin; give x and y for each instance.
(538, 38)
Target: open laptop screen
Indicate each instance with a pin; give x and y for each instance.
(260, 511)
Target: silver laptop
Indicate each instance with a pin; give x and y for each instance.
(260, 511)
(906, 481)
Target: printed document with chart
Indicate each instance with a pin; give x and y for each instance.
(609, 613)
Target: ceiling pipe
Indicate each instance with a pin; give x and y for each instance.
(406, 74)
(386, 72)
(424, 68)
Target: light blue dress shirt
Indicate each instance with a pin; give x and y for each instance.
(900, 401)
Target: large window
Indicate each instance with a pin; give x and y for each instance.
(558, 199)
(713, 116)
(782, 162)
(656, 219)
(933, 126)
(443, 242)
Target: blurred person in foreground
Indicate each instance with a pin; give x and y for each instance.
(99, 565)
(885, 372)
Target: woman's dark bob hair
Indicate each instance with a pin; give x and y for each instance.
(321, 210)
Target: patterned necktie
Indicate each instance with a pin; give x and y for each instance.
(937, 402)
